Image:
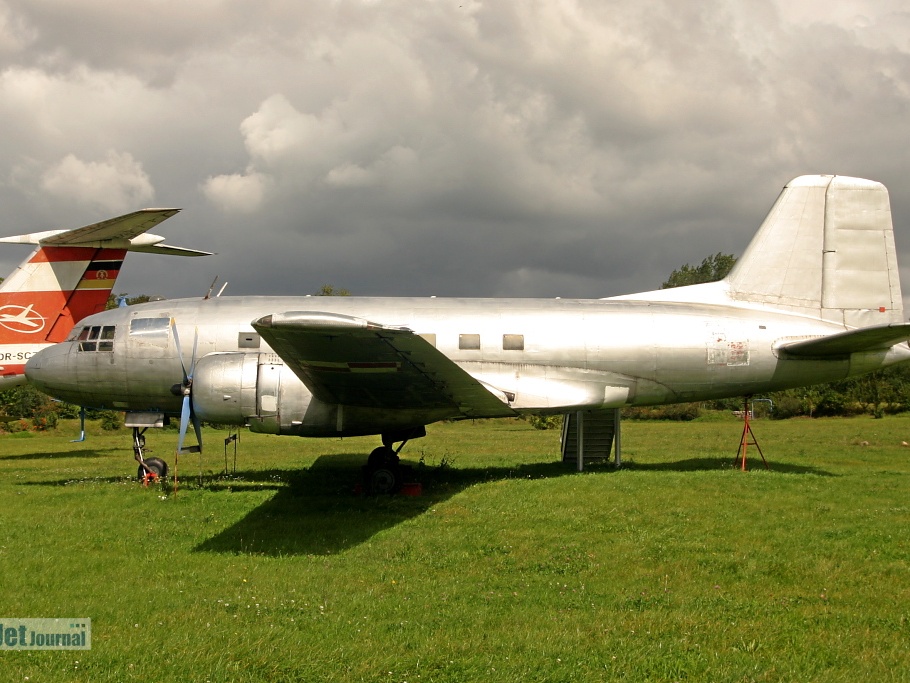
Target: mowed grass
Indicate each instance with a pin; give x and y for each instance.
(509, 567)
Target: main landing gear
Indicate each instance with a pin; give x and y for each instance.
(384, 473)
(150, 469)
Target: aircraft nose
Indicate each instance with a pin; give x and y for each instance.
(46, 369)
(35, 361)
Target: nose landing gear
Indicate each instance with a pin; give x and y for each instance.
(150, 469)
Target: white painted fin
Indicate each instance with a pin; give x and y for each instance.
(827, 250)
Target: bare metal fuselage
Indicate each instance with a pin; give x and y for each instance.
(538, 356)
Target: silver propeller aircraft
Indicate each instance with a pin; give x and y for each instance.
(815, 298)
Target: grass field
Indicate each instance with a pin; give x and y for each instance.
(509, 567)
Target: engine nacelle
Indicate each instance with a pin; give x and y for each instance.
(249, 388)
(259, 390)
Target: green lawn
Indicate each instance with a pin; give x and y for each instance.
(509, 567)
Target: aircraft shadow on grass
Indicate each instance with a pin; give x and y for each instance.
(703, 464)
(317, 511)
(59, 455)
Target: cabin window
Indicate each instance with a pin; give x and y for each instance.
(469, 342)
(513, 342)
(429, 337)
(96, 338)
(150, 328)
(248, 340)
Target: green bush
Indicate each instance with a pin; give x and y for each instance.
(544, 422)
(677, 412)
(44, 421)
(111, 420)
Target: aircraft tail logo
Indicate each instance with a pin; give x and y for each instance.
(21, 319)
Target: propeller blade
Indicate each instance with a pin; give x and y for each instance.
(187, 413)
(193, 357)
(184, 421)
(197, 427)
(179, 349)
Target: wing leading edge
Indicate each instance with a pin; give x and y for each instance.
(351, 361)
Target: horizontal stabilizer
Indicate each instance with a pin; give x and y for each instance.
(875, 338)
(166, 249)
(124, 232)
(350, 361)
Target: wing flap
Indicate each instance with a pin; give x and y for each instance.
(351, 361)
(877, 338)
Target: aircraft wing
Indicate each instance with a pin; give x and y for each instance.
(351, 361)
(123, 232)
(853, 341)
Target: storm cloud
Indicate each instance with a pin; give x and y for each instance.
(398, 147)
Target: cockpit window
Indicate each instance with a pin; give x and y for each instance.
(106, 342)
(150, 328)
(97, 338)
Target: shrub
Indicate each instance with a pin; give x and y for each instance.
(111, 420)
(45, 421)
(677, 412)
(544, 422)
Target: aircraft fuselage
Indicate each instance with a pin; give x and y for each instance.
(537, 355)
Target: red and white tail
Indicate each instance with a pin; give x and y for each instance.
(69, 276)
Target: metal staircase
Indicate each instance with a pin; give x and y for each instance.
(594, 431)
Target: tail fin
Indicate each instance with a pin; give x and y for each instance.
(826, 249)
(69, 276)
(53, 289)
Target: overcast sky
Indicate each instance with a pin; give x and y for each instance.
(453, 148)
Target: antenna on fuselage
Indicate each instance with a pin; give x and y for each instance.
(208, 294)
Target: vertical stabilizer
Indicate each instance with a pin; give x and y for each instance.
(826, 249)
(57, 286)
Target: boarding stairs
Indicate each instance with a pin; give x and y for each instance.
(598, 430)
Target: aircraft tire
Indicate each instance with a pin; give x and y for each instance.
(157, 467)
(383, 480)
(382, 457)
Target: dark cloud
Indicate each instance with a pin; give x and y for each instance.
(540, 148)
